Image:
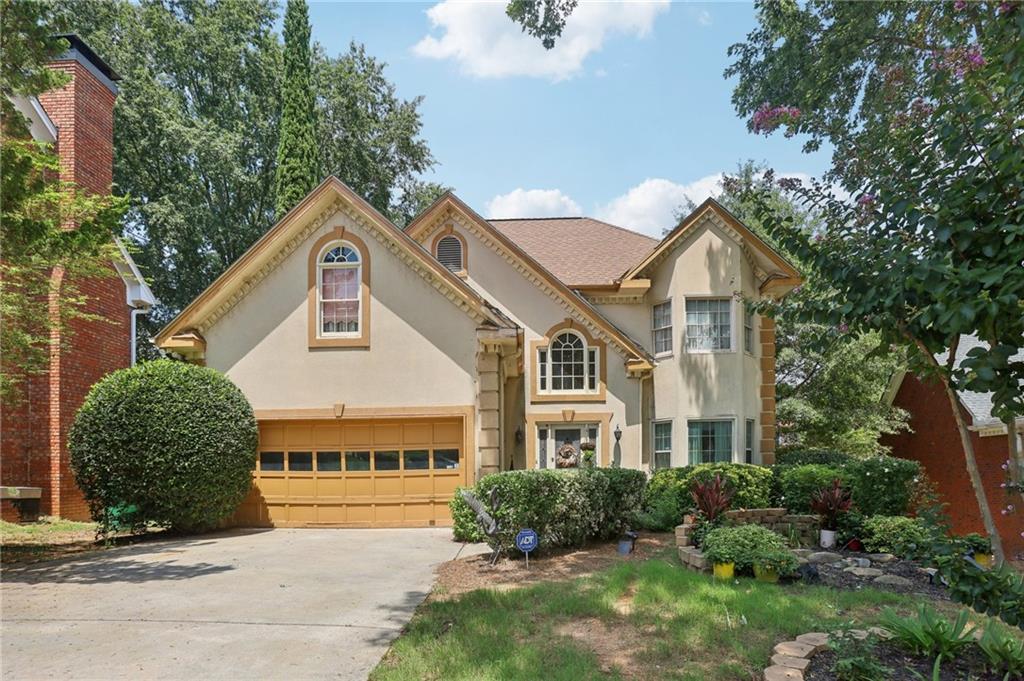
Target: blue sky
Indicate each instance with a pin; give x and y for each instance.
(627, 115)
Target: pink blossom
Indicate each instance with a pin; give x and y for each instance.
(959, 5)
(1005, 7)
(866, 199)
(768, 118)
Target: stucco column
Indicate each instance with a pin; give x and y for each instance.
(488, 413)
(767, 391)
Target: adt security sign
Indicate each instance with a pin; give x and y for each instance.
(526, 541)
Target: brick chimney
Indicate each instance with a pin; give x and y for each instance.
(83, 112)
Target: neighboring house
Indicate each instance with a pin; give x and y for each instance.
(934, 440)
(388, 367)
(79, 119)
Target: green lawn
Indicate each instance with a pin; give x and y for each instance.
(649, 619)
(43, 530)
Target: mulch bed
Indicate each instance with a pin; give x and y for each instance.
(906, 667)
(468, 574)
(920, 581)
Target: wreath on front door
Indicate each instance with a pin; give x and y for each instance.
(567, 456)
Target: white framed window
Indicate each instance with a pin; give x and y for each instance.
(567, 365)
(710, 441)
(662, 444)
(661, 317)
(708, 324)
(339, 290)
(748, 330)
(748, 441)
(449, 253)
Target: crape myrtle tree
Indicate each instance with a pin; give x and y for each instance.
(297, 163)
(932, 247)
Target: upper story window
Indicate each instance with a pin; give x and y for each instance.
(708, 324)
(661, 315)
(568, 364)
(450, 253)
(748, 331)
(339, 294)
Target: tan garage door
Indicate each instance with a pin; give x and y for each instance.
(372, 473)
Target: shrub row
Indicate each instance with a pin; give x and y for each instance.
(881, 485)
(566, 508)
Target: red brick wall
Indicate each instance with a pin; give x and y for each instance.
(935, 442)
(33, 446)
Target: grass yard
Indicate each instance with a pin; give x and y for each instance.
(52, 538)
(645, 620)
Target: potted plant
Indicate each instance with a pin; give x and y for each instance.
(769, 565)
(723, 559)
(588, 451)
(980, 548)
(830, 503)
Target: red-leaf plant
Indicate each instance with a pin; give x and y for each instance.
(830, 502)
(712, 498)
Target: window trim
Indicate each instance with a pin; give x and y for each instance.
(654, 441)
(670, 327)
(450, 231)
(748, 332)
(732, 325)
(731, 419)
(356, 340)
(596, 395)
(750, 440)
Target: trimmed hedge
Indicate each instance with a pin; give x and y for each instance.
(796, 484)
(753, 485)
(881, 485)
(566, 508)
(800, 457)
(164, 442)
(899, 535)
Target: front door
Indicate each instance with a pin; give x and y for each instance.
(566, 445)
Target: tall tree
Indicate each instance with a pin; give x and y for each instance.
(932, 249)
(196, 131)
(42, 263)
(297, 162)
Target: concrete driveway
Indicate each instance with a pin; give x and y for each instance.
(275, 604)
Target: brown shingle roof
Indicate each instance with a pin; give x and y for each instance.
(579, 251)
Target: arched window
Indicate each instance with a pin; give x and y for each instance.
(449, 253)
(568, 364)
(339, 294)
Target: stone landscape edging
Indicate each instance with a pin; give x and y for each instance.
(790, 659)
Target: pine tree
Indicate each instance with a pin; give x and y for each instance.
(297, 162)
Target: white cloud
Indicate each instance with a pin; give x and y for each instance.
(704, 17)
(487, 44)
(532, 203)
(650, 206)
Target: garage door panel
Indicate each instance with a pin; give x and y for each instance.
(419, 485)
(390, 486)
(302, 487)
(359, 487)
(447, 433)
(318, 480)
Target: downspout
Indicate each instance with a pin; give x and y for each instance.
(134, 325)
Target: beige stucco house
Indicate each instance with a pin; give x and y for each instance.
(387, 367)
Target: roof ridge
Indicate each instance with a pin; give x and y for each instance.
(580, 217)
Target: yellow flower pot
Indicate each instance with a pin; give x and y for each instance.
(724, 571)
(983, 559)
(763, 574)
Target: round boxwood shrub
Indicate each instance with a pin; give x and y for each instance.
(899, 535)
(799, 457)
(743, 544)
(163, 442)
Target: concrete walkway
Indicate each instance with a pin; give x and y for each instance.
(276, 604)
